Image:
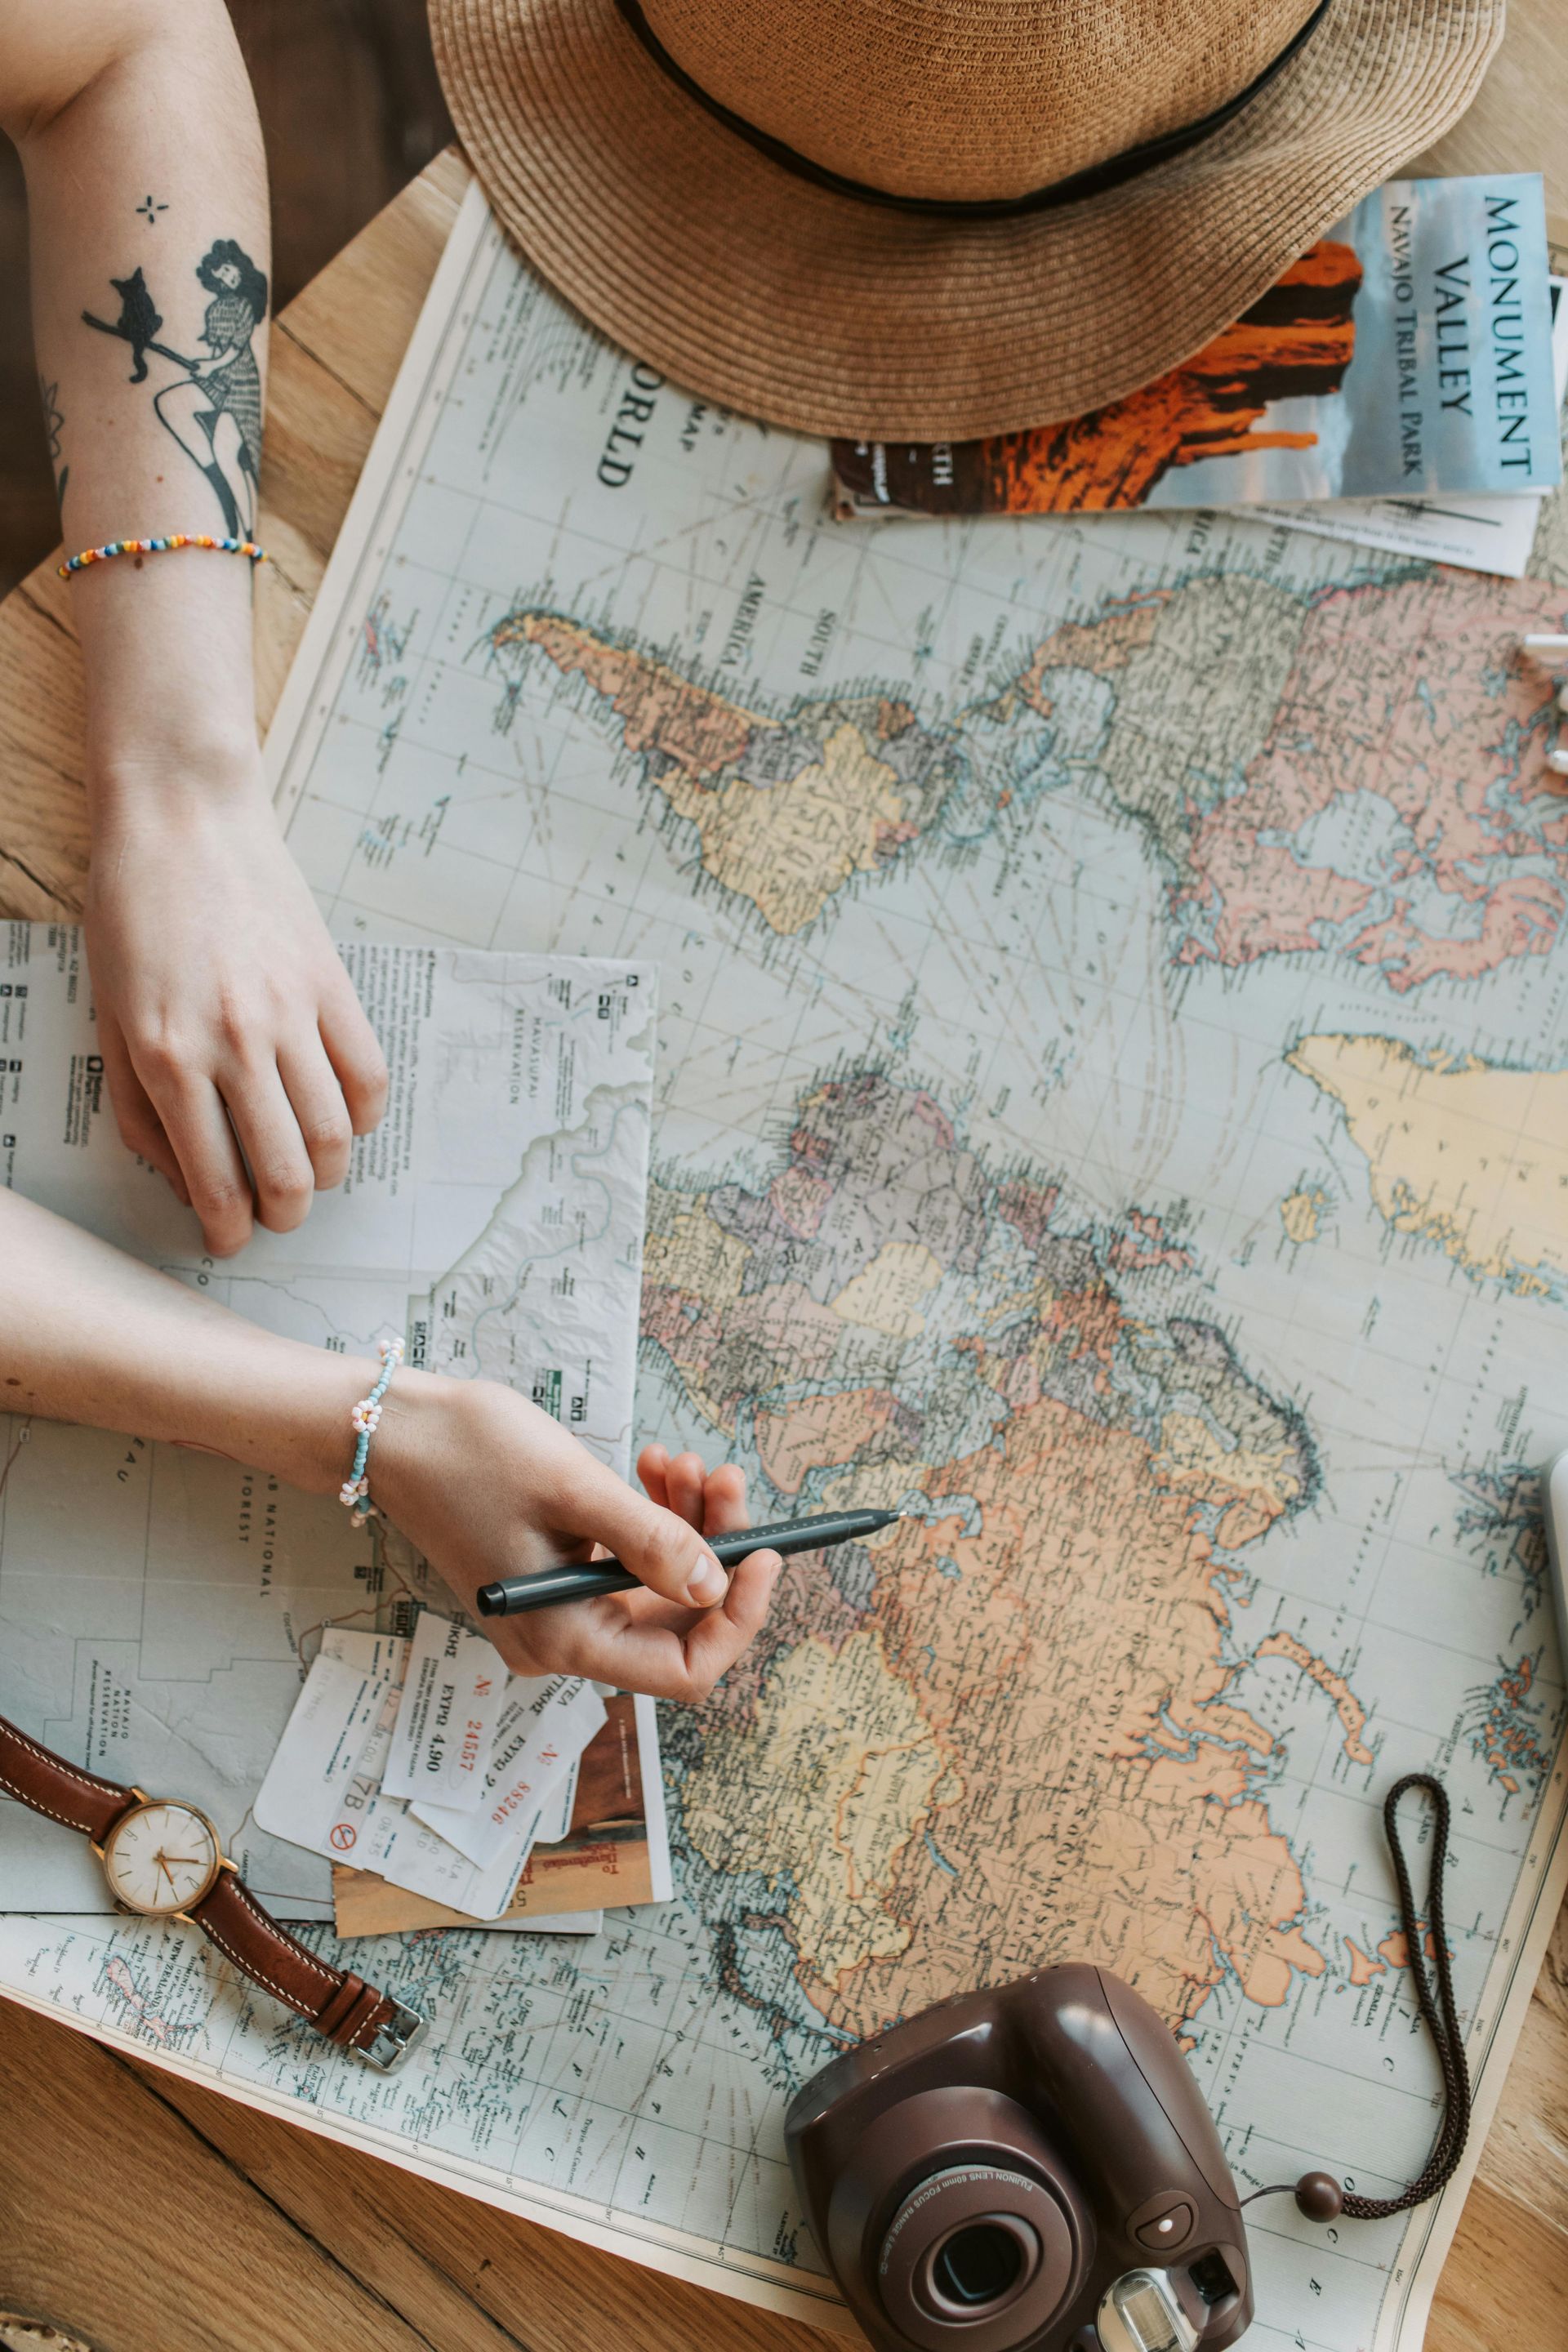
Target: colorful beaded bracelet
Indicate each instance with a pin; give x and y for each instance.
(355, 1488)
(162, 547)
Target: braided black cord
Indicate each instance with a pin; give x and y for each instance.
(1441, 2017)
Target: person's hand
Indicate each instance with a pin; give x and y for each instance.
(488, 1485)
(239, 1062)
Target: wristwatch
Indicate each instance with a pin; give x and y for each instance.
(163, 1860)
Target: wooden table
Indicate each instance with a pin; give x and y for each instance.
(156, 2217)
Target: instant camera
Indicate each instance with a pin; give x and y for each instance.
(1030, 2169)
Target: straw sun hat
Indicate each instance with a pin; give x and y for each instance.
(931, 220)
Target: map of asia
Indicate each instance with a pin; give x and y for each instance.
(1111, 1105)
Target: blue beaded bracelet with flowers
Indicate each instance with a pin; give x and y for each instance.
(355, 1488)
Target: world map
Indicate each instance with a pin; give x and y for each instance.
(1361, 772)
(948, 1697)
(1111, 978)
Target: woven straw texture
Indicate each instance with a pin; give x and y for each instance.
(750, 285)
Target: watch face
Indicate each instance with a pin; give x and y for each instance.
(160, 1858)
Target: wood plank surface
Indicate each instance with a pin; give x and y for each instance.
(1519, 121)
(238, 2233)
(152, 2216)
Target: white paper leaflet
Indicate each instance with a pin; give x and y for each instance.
(158, 1606)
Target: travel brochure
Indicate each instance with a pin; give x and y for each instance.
(1407, 354)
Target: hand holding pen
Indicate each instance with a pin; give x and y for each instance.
(553, 1588)
(483, 1482)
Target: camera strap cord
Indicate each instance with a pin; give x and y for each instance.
(1317, 2194)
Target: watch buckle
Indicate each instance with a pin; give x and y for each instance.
(393, 2037)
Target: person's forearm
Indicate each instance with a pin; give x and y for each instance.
(148, 202)
(482, 1483)
(90, 1335)
(238, 1061)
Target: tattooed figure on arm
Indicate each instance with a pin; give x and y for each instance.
(238, 1059)
(213, 408)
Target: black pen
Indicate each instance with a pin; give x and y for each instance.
(586, 1579)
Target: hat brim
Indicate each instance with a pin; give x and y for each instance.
(752, 286)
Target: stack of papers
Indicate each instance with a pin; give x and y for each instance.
(425, 1762)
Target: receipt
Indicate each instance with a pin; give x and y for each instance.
(321, 1788)
(546, 1721)
(452, 1695)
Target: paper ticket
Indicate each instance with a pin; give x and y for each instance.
(410, 1853)
(321, 1786)
(546, 1721)
(326, 1786)
(452, 1695)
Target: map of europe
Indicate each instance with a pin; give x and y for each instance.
(1110, 980)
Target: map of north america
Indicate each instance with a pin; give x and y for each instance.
(1357, 772)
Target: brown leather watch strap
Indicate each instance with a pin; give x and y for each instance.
(49, 1785)
(337, 2002)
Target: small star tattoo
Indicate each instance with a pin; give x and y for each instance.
(149, 211)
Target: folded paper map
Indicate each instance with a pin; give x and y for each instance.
(1407, 353)
(159, 1607)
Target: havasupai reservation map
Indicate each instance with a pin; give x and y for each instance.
(1111, 1104)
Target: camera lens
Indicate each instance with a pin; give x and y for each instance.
(977, 2255)
(977, 2265)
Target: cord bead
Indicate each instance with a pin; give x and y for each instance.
(246, 547)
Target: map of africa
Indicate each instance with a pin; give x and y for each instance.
(1110, 982)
